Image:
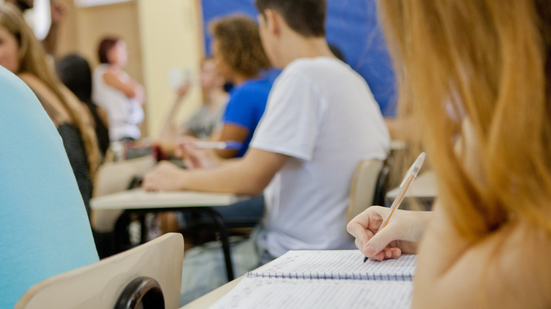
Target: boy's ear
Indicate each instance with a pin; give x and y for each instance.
(273, 22)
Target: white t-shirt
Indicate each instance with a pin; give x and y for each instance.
(125, 114)
(323, 115)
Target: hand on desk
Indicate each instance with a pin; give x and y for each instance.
(197, 158)
(401, 235)
(165, 177)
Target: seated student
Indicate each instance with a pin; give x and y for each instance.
(23, 55)
(240, 59)
(43, 223)
(208, 119)
(74, 72)
(118, 94)
(488, 242)
(321, 121)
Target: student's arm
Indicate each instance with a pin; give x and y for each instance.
(247, 176)
(232, 132)
(130, 89)
(169, 131)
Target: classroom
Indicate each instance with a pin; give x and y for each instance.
(195, 154)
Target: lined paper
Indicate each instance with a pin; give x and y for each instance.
(271, 293)
(340, 264)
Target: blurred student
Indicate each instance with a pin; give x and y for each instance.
(320, 123)
(488, 242)
(118, 94)
(57, 13)
(241, 60)
(208, 118)
(75, 73)
(22, 54)
(44, 228)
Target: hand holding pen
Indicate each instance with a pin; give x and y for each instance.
(200, 154)
(383, 233)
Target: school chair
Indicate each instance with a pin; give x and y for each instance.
(113, 177)
(148, 276)
(364, 185)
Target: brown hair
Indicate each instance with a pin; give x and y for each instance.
(32, 59)
(306, 17)
(484, 63)
(104, 47)
(240, 44)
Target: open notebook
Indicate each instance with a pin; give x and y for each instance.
(325, 279)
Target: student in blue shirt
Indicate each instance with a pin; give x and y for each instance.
(241, 59)
(43, 222)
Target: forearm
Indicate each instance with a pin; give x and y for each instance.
(170, 127)
(229, 177)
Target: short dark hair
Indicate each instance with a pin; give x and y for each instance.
(240, 45)
(104, 47)
(306, 17)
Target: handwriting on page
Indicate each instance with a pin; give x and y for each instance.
(269, 293)
(345, 264)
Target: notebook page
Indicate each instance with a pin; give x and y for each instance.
(339, 264)
(271, 293)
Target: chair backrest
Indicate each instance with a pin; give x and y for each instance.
(100, 285)
(113, 177)
(364, 183)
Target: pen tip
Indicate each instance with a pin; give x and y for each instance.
(365, 259)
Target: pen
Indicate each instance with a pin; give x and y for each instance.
(406, 183)
(231, 145)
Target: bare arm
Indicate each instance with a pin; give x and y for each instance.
(231, 133)
(170, 129)
(130, 88)
(247, 176)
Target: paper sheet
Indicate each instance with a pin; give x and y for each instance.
(270, 293)
(343, 264)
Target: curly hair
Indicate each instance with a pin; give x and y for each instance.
(239, 43)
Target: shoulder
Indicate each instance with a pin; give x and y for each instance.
(254, 91)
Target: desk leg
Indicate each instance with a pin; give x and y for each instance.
(225, 241)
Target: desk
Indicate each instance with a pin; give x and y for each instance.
(140, 201)
(424, 189)
(211, 298)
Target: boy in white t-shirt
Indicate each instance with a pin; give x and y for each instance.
(321, 120)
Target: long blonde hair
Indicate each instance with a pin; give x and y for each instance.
(32, 59)
(487, 62)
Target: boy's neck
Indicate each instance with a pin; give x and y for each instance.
(297, 47)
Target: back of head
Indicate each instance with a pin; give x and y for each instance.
(489, 60)
(104, 47)
(239, 44)
(306, 17)
(75, 73)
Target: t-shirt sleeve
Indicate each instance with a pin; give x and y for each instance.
(292, 120)
(243, 108)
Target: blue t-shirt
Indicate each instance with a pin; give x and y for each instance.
(44, 229)
(246, 106)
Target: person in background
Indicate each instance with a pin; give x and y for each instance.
(75, 73)
(22, 54)
(321, 121)
(43, 223)
(208, 119)
(57, 11)
(241, 59)
(477, 72)
(118, 94)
